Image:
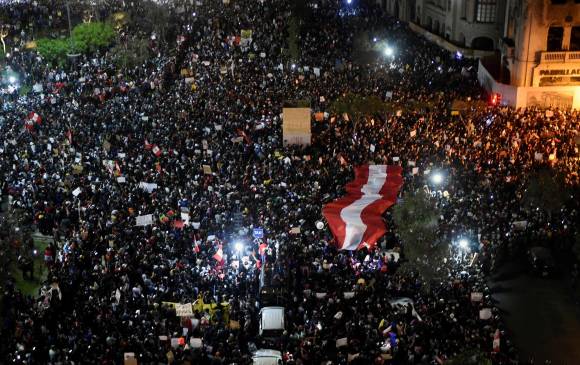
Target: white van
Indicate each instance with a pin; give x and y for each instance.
(267, 357)
(271, 321)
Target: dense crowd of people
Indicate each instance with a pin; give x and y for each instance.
(94, 149)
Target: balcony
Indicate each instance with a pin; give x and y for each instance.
(560, 57)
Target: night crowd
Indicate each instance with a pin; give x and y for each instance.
(201, 150)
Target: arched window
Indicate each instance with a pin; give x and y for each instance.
(486, 11)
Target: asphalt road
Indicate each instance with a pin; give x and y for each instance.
(540, 313)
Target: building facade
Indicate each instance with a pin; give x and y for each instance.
(538, 41)
(474, 24)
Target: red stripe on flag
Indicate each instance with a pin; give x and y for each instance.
(356, 219)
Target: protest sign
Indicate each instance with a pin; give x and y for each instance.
(144, 220)
(341, 342)
(485, 314)
(129, 358)
(148, 187)
(258, 232)
(207, 169)
(296, 126)
(184, 310)
(476, 296)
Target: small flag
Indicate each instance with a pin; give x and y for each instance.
(156, 151)
(34, 117)
(148, 145)
(219, 255)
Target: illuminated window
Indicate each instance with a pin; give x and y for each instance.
(486, 11)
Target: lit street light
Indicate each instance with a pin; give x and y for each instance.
(437, 178)
(463, 244)
(388, 51)
(239, 247)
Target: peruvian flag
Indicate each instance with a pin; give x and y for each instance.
(219, 255)
(156, 151)
(34, 117)
(496, 341)
(355, 219)
(148, 145)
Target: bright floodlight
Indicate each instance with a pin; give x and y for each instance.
(239, 246)
(349, 1)
(458, 55)
(463, 243)
(12, 79)
(437, 178)
(388, 51)
(293, 66)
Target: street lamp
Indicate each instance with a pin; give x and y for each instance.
(388, 51)
(437, 178)
(239, 247)
(464, 244)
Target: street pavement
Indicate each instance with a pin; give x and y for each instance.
(543, 318)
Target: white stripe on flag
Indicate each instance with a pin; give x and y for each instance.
(351, 215)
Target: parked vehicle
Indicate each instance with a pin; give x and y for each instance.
(267, 357)
(271, 322)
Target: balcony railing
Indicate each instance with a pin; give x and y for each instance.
(559, 57)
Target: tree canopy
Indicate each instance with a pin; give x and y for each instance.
(86, 38)
(545, 190)
(416, 218)
(358, 106)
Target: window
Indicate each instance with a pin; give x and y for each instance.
(575, 39)
(555, 36)
(486, 11)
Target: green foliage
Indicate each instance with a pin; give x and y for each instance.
(86, 38)
(417, 222)
(91, 37)
(293, 38)
(54, 50)
(132, 55)
(358, 106)
(24, 90)
(546, 190)
(469, 357)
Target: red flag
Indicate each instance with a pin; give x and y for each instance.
(243, 134)
(196, 248)
(219, 255)
(262, 248)
(35, 117)
(148, 145)
(355, 219)
(117, 169)
(179, 224)
(156, 151)
(69, 136)
(496, 340)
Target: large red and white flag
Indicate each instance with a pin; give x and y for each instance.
(355, 219)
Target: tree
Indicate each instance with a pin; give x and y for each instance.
(132, 55)
(358, 106)
(547, 191)
(54, 50)
(91, 37)
(416, 219)
(293, 38)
